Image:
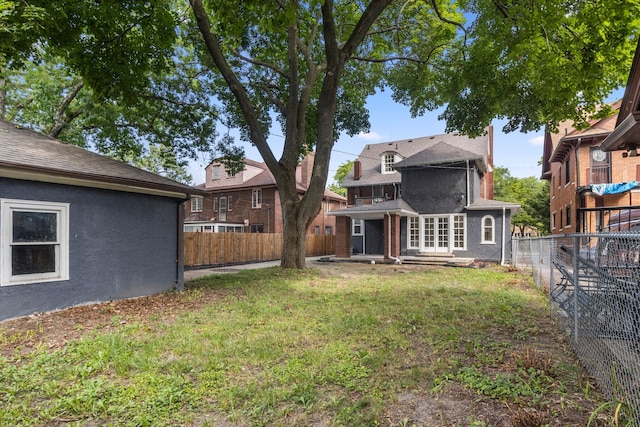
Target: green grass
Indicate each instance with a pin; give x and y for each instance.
(294, 347)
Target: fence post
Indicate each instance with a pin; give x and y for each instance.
(576, 287)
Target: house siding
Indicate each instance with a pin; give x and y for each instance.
(121, 245)
(435, 190)
(486, 251)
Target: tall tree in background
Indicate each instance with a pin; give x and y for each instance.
(157, 120)
(308, 67)
(531, 194)
(339, 177)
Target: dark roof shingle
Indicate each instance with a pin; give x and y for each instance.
(37, 155)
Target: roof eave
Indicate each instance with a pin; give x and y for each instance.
(627, 132)
(95, 181)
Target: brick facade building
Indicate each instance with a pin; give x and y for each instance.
(249, 201)
(575, 164)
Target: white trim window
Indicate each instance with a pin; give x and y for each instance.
(196, 204)
(459, 228)
(34, 242)
(488, 229)
(256, 198)
(414, 232)
(388, 160)
(356, 227)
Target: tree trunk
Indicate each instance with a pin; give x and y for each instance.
(294, 238)
(3, 98)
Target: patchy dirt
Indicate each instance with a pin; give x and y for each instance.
(53, 330)
(452, 405)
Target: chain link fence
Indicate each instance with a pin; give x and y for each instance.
(593, 283)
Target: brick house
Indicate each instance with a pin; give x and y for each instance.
(249, 201)
(429, 196)
(589, 185)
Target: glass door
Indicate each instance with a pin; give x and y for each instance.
(435, 236)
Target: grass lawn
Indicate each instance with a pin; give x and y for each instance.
(337, 344)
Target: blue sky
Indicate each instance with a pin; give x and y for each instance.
(519, 152)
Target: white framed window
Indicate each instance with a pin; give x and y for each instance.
(217, 172)
(34, 242)
(256, 198)
(488, 229)
(388, 161)
(414, 232)
(196, 204)
(356, 227)
(459, 227)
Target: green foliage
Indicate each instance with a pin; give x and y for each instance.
(531, 193)
(339, 177)
(538, 66)
(305, 69)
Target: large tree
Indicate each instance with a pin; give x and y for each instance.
(309, 66)
(531, 194)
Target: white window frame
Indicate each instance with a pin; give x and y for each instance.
(455, 222)
(7, 207)
(387, 161)
(256, 198)
(413, 232)
(196, 203)
(355, 222)
(216, 172)
(492, 229)
(454, 240)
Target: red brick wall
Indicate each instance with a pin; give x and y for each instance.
(563, 195)
(343, 237)
(395, 236)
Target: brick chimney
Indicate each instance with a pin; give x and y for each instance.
(488, 178)
(306, 169)
(357, 170)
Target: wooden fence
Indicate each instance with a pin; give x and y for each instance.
(231, 248)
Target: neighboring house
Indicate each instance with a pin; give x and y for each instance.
(626, 137)
(248, 200)
(430, 196)
(588, 185)
(78, 228)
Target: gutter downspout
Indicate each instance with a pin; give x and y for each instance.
(468, 184)
(504, 239)
(179, 283)
(395, 259)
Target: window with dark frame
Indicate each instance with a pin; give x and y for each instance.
(600, 166)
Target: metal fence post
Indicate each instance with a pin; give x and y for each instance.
(576, 287)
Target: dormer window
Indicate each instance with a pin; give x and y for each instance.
(217, 172)
(388, 161)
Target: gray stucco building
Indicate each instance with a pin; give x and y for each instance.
(77, 227)
(430, 196)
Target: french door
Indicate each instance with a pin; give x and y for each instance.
(442, 233)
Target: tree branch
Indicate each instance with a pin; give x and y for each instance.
(448, 21)
(257, 135)
(62, 118)
(260, 63)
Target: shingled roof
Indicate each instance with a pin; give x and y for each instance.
(449, 147)
(29, 155)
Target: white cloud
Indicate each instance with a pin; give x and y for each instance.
(538, 140)
(370, 136)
